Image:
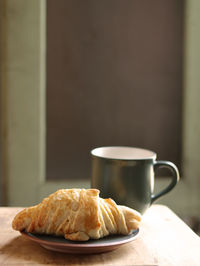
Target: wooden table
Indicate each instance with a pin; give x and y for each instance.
(164, 239)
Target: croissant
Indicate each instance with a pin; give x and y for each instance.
(77, 214)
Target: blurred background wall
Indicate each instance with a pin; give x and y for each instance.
(1, 76)
(34, 121)
(114, 77)
(1, 189)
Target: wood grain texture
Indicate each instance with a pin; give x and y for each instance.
(164, 240)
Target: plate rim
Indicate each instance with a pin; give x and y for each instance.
(82, 245)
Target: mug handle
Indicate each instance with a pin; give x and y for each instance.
(175, 177)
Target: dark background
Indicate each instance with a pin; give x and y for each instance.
(114, 77)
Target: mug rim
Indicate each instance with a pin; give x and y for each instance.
(151, 154)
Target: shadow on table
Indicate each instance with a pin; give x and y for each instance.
(21, 250)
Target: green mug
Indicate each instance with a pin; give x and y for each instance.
(126, 174)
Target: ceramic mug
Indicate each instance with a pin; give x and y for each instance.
(127, 175)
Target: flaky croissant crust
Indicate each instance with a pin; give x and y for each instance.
(77, 214)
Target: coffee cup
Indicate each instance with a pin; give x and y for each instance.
(127, 175)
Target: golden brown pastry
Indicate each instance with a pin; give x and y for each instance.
(77, 214)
